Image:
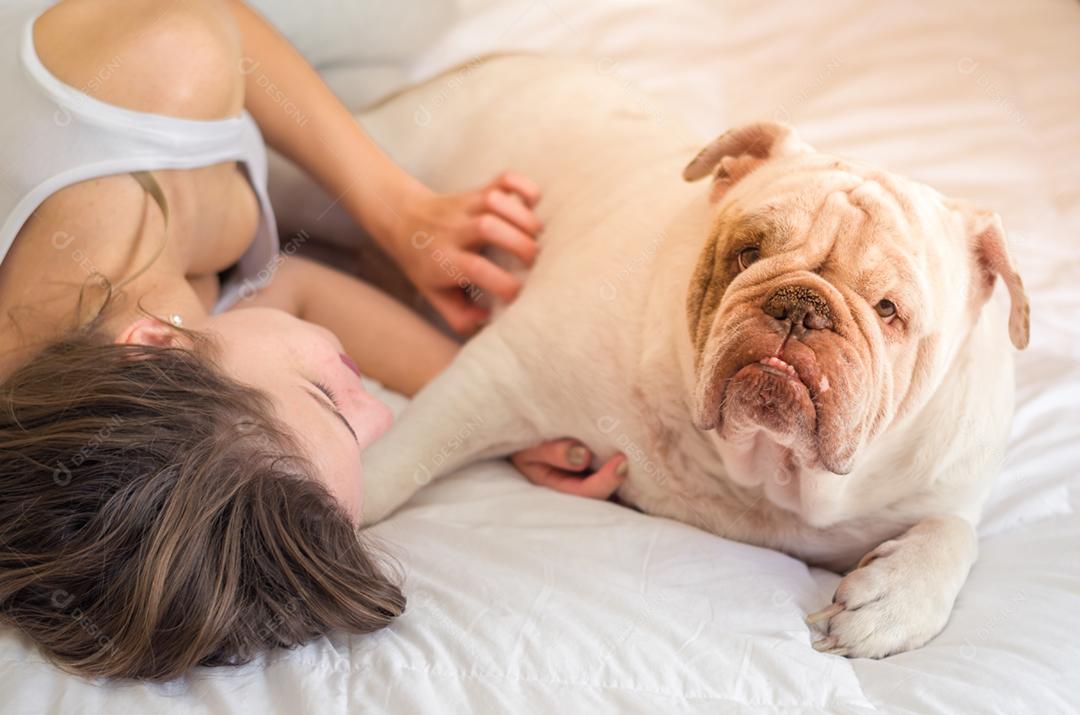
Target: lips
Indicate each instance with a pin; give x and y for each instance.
(349, 363)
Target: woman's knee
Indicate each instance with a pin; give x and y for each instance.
(181, 58)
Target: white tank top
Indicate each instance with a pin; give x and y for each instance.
(53, 135)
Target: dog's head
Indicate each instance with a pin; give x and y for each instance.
(830, 297)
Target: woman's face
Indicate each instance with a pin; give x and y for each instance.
(315, 388)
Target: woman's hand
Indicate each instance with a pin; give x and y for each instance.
(561, 465)
(435, 238)
(440, 247)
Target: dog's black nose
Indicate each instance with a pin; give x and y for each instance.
(799, 306)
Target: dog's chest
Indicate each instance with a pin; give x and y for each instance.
(677, 472)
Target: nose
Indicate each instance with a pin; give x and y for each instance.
(799, 306)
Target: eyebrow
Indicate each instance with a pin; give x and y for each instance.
(329, 407)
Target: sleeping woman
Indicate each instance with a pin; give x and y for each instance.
(181, 411)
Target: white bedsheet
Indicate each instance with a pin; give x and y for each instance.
(523, 600)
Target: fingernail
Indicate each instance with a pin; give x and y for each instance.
(623, 469)
(577, 455)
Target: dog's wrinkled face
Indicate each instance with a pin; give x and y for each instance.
(830, 297)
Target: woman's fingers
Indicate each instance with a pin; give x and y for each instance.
(499, 232)
(486, 276)
(566, 454)
(518, 184)
(457, 227)
(511, 209)
(599, 485)
(462, 315)
(605, 481)
(499, 215)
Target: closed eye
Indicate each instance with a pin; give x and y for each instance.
(325, 389)
(332, 406)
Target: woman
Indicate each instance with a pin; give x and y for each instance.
(181, 422)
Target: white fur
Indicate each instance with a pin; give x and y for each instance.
(596, 347)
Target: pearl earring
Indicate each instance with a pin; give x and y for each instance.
(176, 320)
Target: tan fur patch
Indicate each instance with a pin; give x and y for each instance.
(703, 297)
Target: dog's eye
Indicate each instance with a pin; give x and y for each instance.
(886, 309)
(748, 256)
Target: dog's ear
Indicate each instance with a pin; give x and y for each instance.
(990, 255)
(737, 152)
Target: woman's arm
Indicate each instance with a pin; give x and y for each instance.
(300, 117)
(388, 341)
(331, 147)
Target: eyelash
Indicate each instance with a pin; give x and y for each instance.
(325, 389)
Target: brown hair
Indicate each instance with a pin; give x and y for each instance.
(154, 516)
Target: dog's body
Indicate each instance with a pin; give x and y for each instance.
(636, 333)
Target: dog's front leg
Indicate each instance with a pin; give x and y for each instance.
(901, 593)
(469, 412)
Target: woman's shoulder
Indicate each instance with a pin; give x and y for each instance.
(180, 58)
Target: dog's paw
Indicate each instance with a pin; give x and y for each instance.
(897, 598)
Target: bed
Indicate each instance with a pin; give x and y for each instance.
(525, 600)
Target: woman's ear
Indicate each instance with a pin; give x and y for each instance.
(151, 332)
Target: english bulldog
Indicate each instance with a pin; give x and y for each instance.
(800, 352)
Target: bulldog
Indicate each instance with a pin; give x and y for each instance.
(800, 353)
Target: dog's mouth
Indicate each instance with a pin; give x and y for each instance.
(806, 374)
(784, 398)
(772, 393)
(794, 390)
(770, 382)
(775, 366)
